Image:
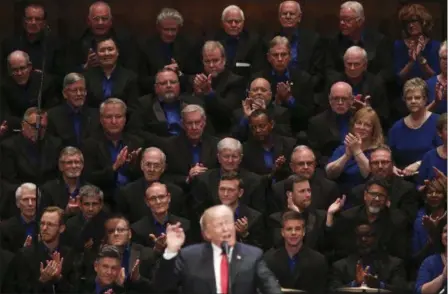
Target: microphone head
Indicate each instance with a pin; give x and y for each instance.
(225, 246)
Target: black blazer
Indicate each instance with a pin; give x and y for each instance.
(248, 271)
(124, 86)
(324, 193)
(310, 273)
(145, 226)
(19, 165)
(280, 114)
(315, 229)
(60, 124)
(253, 159)
(54, 193)
(205, 190)
(13, 234)
(402, 196)
(256, 227)
(5, 260)
(131, 200)
(390, 270)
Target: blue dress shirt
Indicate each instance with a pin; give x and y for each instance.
(196, 152)
(30, 227)
(172, 114)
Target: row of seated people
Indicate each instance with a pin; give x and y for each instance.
(312, 250)
(295, 68)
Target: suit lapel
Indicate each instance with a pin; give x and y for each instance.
(135, 254)
(97, 84)
(333, 126)
(118, 82)
(158, 111)
(235, 266)
(207, 268)
(214, 183)
(243, 47)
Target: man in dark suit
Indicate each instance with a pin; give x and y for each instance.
(63, 191)
(47, 267)
(300, 196)
(260, 97)
(73, 121)
(150, 230)
(352, 32)
(221, 89)
(5, 260)
(402, 194)
(249, 223)
(81, 54)
(205, 187)
(291, 87)
(244, 54)
(29, 157)
(307, 50)
(20, 231)
(328, 129)
(368, 265)
(19, 90)
(110, 158)
(266, 153)
(220, 265)
(303, 163)
(168, 49)
(131, 198)
(110, 79)
(295, 265)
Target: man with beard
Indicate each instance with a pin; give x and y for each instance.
(369, 265)
(389, 224)
(64, 190)
(402, 194)
(295, 265)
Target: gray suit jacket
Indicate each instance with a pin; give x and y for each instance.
(192, 270)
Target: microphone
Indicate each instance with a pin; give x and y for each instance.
(47, 29)
(225, 248)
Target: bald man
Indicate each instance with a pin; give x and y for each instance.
(260, 97)
(81, 53)
(210, 260)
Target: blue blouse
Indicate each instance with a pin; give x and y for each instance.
(430, 269)
(430, 159)
(409, 145)
(431, 83)
(419, 234)
(401, 58)
(351, 175)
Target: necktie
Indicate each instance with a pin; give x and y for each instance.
(224, 273)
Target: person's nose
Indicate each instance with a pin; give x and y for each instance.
(352, 66)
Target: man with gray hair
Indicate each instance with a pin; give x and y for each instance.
(73, 121)
(205, 188)
(168, 49)
(352, 32)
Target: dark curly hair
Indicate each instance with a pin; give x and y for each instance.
(412, 12)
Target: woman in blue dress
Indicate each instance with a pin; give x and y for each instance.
(437, 85)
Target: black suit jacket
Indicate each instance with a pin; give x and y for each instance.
(315, 229)
(131, 200)
(55, 193)
(402, 196)
(60, 124)
(5, 260)
(13, 234)
(280, 114)
(253, 159)
(324, 193)
(390, 270)
(248, 271)
(145, 226)
(19, 165)
(228, 89)
(310, 272)
(256, 227)
(205, 190)
(124, 86)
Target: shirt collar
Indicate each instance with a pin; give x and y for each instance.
(33, 221)
(217, 250)
(74, 110)
(285, 74)
(165, 220)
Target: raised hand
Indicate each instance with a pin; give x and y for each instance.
(336, 205)
(242, 226)
(175, 237)
(199, 82)
(121, 277)
(360, 101)
(371, 281)
(360, 273)
(28, 241)
(121, 158)
(258, 104)
(58, 263)
(92, 60)
(173, 65)
(159, 242)
(411, 169)
(196, 170)
(353, 142)
(247, 107)
(279, 162)
(440, 92)
(135, 272)
(283, 92)
(89, 244)
(133, 155)
(73, 204)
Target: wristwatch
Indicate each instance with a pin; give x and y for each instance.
(422, 60)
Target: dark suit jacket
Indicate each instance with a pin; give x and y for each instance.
(55, 193)
(402, 196)
(390, 270)
(249, 50)
(256, 227)
(248, 271)
(98, 163)
(185, 51)
(8, 206)
(228, 92)
(60, 124)
(131, 199)
(205, 190)
(24, 274)
(146, 225)
(280, 114)
(315, 229)
(253, 159)
(5, 259)
(13, 234)
(324, 193)
(310, 272)
(301, 90)
(19, 166)
(124, 86)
